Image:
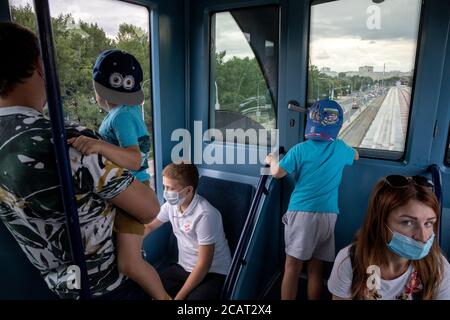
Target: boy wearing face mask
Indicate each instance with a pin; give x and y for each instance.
(203, 253)
(117, 77)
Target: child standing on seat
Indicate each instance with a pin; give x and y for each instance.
(203, 253)
(313, 207)
(117, 77)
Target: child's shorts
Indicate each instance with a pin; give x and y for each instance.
(124, 223)
(309, 235)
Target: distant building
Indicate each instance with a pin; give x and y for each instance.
(365, 72)
(366, 69)
(328, 72)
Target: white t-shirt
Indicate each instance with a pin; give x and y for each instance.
(341, 277)
(199, 224)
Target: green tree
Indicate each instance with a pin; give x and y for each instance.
(24, 16)
(77, 45)
(135, 40)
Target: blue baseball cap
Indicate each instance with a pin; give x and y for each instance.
(325, 118)
(117, 77)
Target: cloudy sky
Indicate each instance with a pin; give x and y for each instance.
(230, 38)
(340, 37)
(108, 14)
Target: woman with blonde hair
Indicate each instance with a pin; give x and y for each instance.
(395, 254)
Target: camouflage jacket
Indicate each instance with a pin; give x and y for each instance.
(31, 205)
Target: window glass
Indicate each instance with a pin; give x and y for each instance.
(244, 69)
(362, 54)
(82, 29)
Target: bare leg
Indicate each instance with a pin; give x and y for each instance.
(132, 265)
(289, 286)
(315, 272)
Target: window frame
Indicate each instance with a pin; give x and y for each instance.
(447, 149)
(152, 91)
(212, 12)
(379, 154)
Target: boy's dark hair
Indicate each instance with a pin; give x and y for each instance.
(185, 173)
(19, 54)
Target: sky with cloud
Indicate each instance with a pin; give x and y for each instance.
(230, 38)
(339, 37)
(108, 14)
(342, 39)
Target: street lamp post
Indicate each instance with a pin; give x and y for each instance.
(217, 104)
(318, 95)
(330, 88)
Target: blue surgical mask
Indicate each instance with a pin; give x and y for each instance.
(173, 197)
(409, 248)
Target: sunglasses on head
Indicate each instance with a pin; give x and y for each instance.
(398, 181)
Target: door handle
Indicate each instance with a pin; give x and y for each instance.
(295, 106)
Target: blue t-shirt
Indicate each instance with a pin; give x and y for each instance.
(124, 126)
(319, 166)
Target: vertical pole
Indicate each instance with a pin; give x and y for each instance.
(5, 12)
(59, 142)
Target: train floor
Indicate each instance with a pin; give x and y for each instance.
(274, 293)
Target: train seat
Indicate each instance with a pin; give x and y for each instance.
(19, 279)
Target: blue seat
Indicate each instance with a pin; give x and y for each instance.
(233, 200)
(19, 279)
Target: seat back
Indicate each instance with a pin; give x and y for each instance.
(19, 279)
(233, 200)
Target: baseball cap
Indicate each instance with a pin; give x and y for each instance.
(325, 118)
(117, 77)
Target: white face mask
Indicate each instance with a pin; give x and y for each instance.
(173, 197)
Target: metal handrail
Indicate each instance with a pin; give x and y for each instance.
(238, 258)
(60, 143)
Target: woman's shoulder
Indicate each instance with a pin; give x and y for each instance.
(343, 260)
(344, 253)
(446, 269)
(444, 288)
(340, 281)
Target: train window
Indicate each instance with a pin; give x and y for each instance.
(22, 12)
(81, 30)
(362, 54)
(244, 70)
